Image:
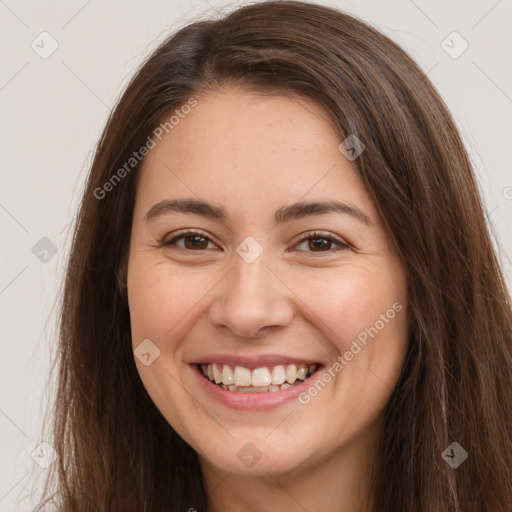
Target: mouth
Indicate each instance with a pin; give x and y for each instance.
(266, 379)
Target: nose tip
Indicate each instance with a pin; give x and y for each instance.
(251, 300)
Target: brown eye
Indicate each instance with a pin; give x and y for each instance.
(195, 242)
(319, 242)
(191, 241)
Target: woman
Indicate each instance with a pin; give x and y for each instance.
(282, 293)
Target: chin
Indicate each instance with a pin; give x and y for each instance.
(249, 460)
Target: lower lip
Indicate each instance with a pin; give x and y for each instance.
(252, 401)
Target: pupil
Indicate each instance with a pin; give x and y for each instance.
(320, 245)
(194, 244)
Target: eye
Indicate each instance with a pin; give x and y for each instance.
(321, 242)
(316, 241)
(191, 240)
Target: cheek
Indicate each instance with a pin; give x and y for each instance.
(154, 306)
(352, 300)
(363, 313)
(373, 352)
(148, 304)
(366, 321)
(159, 304)
(159, 299)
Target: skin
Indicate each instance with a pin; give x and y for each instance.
(253, 155)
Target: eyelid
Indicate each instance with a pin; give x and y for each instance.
(324, 234)
(166, 240)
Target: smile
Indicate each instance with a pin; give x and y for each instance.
(258, 380)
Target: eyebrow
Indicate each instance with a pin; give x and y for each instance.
(282, 215)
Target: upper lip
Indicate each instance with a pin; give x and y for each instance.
(255, 361)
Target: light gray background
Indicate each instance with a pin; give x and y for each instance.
(53, 110)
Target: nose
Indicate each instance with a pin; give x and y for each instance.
(251, 299)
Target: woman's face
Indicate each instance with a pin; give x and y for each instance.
(274, 283)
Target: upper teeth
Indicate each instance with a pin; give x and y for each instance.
(259, 377)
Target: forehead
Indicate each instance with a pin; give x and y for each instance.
(238, 146)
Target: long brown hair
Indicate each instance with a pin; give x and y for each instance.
(115, 450)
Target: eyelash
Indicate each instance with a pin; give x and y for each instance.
(306, 236)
